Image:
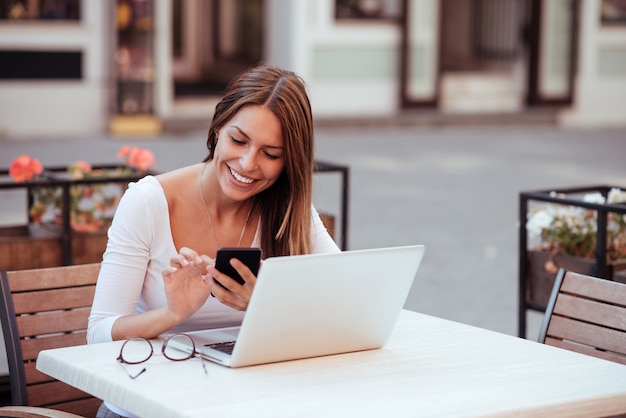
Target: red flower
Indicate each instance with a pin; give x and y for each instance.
(124, 152)
(137, 158)
(24, 168)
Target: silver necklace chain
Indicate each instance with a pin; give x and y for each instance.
(206, 210)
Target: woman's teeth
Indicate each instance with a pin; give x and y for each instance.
(240, 178)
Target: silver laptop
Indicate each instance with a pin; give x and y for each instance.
(316, 305)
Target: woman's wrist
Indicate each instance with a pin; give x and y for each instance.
(149, 324)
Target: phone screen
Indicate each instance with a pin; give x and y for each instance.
(251, 257)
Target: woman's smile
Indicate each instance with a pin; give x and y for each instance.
(239, 177)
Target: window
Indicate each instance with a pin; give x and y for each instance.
(368, 9)
(41, 65)
(39, 10)
(613, 12)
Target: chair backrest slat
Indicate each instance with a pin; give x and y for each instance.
(43, 309)
(32, 346)
(33, 375)
(53, 392)
(589, 310)
(80, 406)
(588, 315)
(50, 300)
(54, 277)
(53, 322)
(585, 349)
(594, 288)
(600, 337)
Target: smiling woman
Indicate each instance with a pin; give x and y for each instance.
(253, 189)
(269, 98)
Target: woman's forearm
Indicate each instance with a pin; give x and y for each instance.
(149, 324)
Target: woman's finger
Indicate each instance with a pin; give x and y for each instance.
(227, 297)
(191, 256)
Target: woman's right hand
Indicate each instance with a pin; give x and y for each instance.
(186, 283)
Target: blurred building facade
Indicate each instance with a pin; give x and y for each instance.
(78, 67)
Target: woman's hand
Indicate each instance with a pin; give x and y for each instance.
(228, 291)
(187, 284)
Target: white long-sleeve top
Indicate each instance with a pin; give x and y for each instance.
(139, 248)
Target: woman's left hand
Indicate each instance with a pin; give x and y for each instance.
(231, 293)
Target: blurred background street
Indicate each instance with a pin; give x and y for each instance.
(454, 188)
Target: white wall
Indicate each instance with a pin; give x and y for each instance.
(278, 23)
(30, 108)
(354, 69)
(600, 88)
(350, 67)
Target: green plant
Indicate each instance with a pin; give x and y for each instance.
(572, 230)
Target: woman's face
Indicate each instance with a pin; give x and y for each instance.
(249, 154)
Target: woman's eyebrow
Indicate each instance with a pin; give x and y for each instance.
(248, 138)
(240, 131)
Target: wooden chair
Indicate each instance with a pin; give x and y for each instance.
(34, 412)
(42, 309)
(588, 315)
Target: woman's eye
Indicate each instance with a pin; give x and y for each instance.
(236, 141)
(272, 156)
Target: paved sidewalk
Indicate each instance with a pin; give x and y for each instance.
(453, 188)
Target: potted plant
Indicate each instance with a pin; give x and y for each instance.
(562, 234)
(69, 208)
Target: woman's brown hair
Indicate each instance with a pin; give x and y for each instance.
(285, 207)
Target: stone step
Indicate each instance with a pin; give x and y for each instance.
(479, 92)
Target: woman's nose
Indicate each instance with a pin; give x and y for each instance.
(248, 160)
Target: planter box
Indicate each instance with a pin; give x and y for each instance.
(19, 249)
(543, 266)
(68, 238)
(537, 265)
(33, 246)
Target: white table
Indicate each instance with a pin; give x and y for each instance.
(430, 367)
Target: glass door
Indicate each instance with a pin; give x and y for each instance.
(553, 39)
(134, 51)
(419, 53)
(213, 41)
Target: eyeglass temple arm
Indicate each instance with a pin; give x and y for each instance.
(196, 354)
(135, 376)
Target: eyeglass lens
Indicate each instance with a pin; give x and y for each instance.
(135, 351)
(175, 347)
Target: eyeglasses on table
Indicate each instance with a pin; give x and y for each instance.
(138, 350)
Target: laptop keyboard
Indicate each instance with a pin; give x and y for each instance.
(224, 347)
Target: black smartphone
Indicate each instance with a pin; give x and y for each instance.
(251, 257)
